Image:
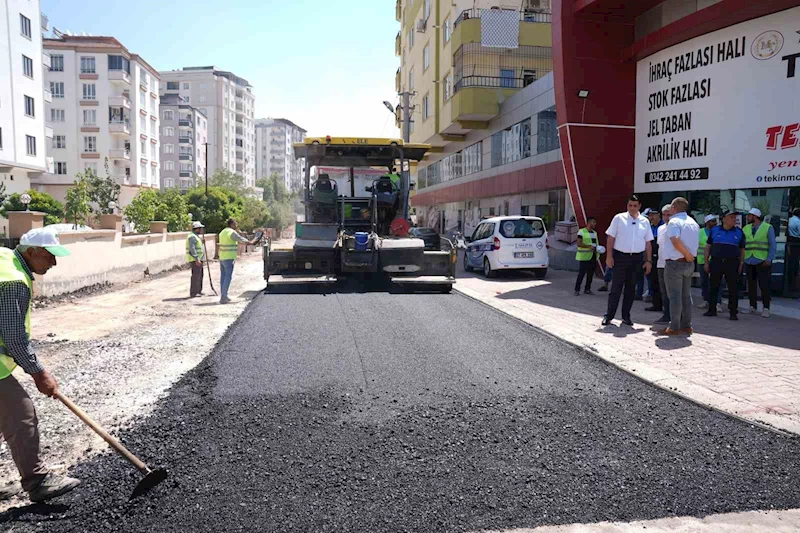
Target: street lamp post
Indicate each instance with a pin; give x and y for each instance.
(25, 198)
(112, 205)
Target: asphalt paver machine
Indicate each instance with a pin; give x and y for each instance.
(347, 231)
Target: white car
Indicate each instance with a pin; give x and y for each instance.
(508, 243)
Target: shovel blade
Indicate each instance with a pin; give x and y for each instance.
(148, 482)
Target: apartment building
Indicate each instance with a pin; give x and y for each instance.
(184, 134)
(227, 101)
(23, 133)
(104, 108)
(274, 153)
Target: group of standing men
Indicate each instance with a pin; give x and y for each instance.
(678, 244)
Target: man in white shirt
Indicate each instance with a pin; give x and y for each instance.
(629, 238)
(661, 264)
(679, 252)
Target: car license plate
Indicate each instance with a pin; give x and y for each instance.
(524, 255)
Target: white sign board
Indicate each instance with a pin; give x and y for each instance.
(722, 111)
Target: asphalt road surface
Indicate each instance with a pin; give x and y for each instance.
(393, 412)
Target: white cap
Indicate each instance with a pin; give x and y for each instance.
(197, 224)
(46, 238)
(709, 218)
(755, 211)
(647, 211)
(666, 208)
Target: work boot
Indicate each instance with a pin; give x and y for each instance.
(10, 490)
(589, 292)
(52, 486)
(604, 288)
(710, 312)
(663, 320)
(703, 305)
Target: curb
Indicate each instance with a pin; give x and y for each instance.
(583, 349)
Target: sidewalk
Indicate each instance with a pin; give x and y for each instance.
(749, 368)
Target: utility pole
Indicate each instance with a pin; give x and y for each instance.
(407, 109)
(206, 170)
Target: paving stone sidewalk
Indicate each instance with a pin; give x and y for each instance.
(749, 368)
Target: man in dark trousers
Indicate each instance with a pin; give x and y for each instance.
(725, 258)
(195, 253)
(629, 250)
(586, 255)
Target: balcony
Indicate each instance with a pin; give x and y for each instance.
(119, 76)
(398, 11)
(119, 127)
(398, 45)
(44, 22)
(186, 157)
(185, 122)
(46, 60)
(186, 140)
(48, 96)
(398, 81)
(185, 173)
(122, 154)
(119, 100)
(48, 132)
(528, 15)
(121, 177)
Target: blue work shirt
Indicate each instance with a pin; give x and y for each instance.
(794, 227)
(655, 229)
(726, 243)
(773, 246)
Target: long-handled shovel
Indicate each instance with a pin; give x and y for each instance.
(208, 265)
(151, 477)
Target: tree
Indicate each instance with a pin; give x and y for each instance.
(281, 215)
(172, 209)
(142, 210)
(78, 205)
(215, 209)
(102, 191)
(3, 195)
(254, 214)
(226, 179)
(269, 192)
(40, 201)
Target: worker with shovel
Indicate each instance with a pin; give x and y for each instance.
(36, 254)
(195, 256)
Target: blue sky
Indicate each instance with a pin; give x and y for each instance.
(326, 65)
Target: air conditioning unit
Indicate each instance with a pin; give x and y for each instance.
(421, 25)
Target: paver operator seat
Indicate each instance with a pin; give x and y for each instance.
(323, 199)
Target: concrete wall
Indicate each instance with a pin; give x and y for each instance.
(106, 256)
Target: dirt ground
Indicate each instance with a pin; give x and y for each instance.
(116, 353)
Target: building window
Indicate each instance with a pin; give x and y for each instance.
(169, 131)
(57, 89)
(1, 138)
(204, 86)
(547, 131)
(169, 114)
(411, 38)
(119, 63)
(61, 168)
(169, 183)
(56, 63)
(426, 108)
(143, 172)
(528, 77)
(90, 117)
(448, 87)
(30, 145)
(143, 147)
(512, 144)
(186, 99)
(186, 86)
(27, 66)
(506, 78)
(143, 99)
(30, 108)
(173, 86)
(89, 91)
(169, 148)
(202, 98)
(153, 151)
(447, 29)
(472, 158)
(426, 57)
(90, 144)
(169, 165)
(60, 141)
(91, 167)
(411, 80)
(57, 115)
(152, 128)
(25, 26)
(88, 65)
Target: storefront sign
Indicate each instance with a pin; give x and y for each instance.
(722, 111)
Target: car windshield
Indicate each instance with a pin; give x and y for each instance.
(522, 228)
(426, 231)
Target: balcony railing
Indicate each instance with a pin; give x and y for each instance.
(185, 157)
(185, 140)
(119, 153)
(524, 16)
(186, 123)
(185, 174)
(119, 75)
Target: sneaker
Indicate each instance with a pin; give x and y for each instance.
(606, 321)
(10, 490)
(753, 311)
(627, 322)
(589, 292)
(577, 293)
(669, 332)
(654, 309)
(720, 309)
(710, 313)
(765, 313)
(703, 305)
(734, 317)
(604, 288)
(648, 299)
(663, 320)
(52, 486)
(225, 301)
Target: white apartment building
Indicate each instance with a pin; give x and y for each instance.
(104, 106)
(23, 133)
(274, 153)
(184, 133)
(228, 103)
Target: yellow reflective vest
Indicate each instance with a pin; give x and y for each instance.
(228, 247)
(11, 269)
(587, 238)
(199, 245)
(701, 250)
(756, 245)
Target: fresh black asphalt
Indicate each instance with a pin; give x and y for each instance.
(399, 412)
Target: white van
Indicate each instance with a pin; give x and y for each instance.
(508, 243)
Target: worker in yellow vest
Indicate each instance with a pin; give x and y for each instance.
(759, 252)
(229, 240)
(36, 254)
(195, 254)
(586, 256)
(710, 222)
